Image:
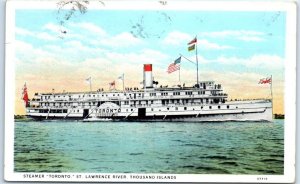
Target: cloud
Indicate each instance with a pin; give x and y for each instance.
(124, 39)
(260, 61)
(204, 44)
(52, 27)
(40, 35)
(244, 35)
(90, 28)
(23, 32)
(177, 38)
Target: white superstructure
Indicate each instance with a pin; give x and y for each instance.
(205, 101)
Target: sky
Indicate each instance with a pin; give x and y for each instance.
(235, 49)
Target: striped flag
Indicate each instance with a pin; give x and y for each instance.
(192, 44)
(193, 41)
(174, 66)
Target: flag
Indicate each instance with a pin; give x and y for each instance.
(173, 67)
(265, 81)
(193, 41)
(112, 84)
(191, 47)
(177, 61)
(88, 80)
(25, 95)
(121, 77)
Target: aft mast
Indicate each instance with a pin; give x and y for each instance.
(271, 83)
(192, 45)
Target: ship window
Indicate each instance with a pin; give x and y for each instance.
(151, 109)
(236, 107)
(219, 107)
(168, 108)
(227, 106)
(93, 95)
(176, 108)
(209, 107)
(151, 101)
(126, 110)
(131, 109)
(77, 110)
(65, 111)
(185, 108)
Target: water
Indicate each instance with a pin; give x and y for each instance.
(126, 147)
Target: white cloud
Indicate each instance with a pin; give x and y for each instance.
(23, 32)
(121, 40)
(90, 27)
(177, 38)
(204, 44)
(52, 27)
(260, 61)
(245, 35)
(40, 35)
(46, 36)
(251, 38)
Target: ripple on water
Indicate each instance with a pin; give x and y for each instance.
(203, 148)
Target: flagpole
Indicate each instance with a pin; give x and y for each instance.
(197, 62)
(179, 75)
(90, 84)
(123, 82)
(271, 86)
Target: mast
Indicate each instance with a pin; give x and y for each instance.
(123, 82)
(90, 84)
(197, 61)
(271, 86)
(179, 76)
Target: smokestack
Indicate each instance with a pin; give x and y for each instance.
(148, 82)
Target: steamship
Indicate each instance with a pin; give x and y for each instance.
(203, 102)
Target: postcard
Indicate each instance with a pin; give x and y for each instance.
(150, 91)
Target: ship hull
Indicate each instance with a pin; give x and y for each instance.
(262, 114)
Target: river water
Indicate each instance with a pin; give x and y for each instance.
(134, 147)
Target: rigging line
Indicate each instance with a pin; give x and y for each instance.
(188, 59)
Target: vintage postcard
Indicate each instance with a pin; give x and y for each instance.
(150, 91)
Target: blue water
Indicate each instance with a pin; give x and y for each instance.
(128, 147)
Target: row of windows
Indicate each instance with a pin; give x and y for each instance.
(117, 94)
(53, 111)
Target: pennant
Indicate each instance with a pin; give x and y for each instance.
(112, 84)
(121, 77)
(88, 80)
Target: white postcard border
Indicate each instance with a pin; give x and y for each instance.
(290, 92)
